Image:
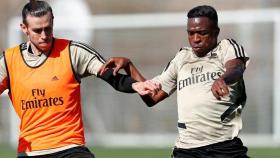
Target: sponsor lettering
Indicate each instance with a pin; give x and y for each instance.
(42, 102)
(198, 77)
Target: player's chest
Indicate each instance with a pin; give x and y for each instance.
(198, 73)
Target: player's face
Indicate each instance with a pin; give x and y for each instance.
(39, 31)
(202, 35)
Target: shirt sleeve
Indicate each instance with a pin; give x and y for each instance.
(168, 78)
(235, 51)
(86, 60)
(3, 75)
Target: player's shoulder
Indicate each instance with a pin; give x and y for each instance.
(84, 50)
(229, 43)
(184, 51)
(182, 54)
(231, 48)
(78, 45)
(82, 47)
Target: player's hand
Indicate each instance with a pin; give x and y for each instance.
(115, 63)
(219, 88)
(148, 87)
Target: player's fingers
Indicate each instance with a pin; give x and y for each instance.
(116, 70)
(102, 70)
(139, 87)
(144, 88)
(144, 92)
(106, 66)
(216, 94)
(156, 84)
(135, 86)
(225, 90)
(109, 64)
(151, 86)
(222, 89)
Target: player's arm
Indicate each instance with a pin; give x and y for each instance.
(124, 83)
(235, 60)
(150, 99)
(150, 96)
(167, 81)
(234, 72)
(120, 82)
(150, 91)
(117, 63)
(86, 61)
(3, 85)
(3, 75)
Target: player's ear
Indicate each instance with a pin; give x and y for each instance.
(24, 28)
(217, 31)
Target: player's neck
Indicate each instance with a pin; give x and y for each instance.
(34, 50)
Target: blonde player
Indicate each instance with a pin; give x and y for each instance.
(43, 76)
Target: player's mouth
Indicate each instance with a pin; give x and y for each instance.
(196, 48)
(45, 42)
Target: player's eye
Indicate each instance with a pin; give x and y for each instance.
(48, 30)
(190, 33)
(203, 33)
(38, 31)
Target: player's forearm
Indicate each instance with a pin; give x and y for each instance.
(232, 76)
(133, 72)
(148, 100)
(122, 83)
(3, 85)
(152, 100)
(234, 71)
(150, 92)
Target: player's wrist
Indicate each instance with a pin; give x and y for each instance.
(224, 79)
(129, 63)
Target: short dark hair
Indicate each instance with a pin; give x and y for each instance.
(204, 11)
(35, 8)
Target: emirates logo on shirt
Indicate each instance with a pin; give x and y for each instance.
(198, 75)
(40, 100)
